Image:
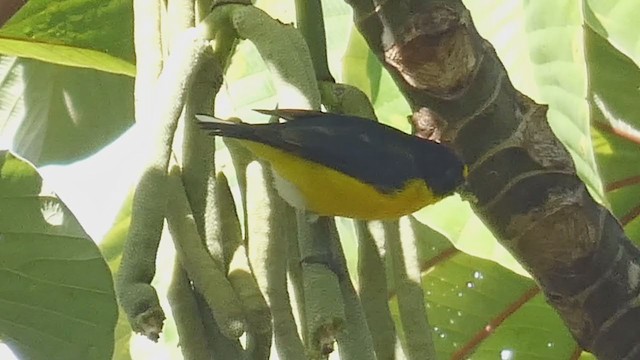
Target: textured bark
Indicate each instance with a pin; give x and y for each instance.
(8, 8)
(525, 182)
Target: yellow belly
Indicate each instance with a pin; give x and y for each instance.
(328, 192)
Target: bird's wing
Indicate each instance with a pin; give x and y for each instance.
(361, 148)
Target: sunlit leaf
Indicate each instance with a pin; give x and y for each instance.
(84, 33)
(480, 310)
(58, 114)
(57, 299)
(616, 22)
(614, 96)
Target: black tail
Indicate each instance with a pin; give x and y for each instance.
(291, 114)
(225, 128)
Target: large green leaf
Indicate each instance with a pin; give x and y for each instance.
(367, 77)
(555, 34)
(614, 96)
(58, 114)
(56, 298)
(86, 33)
(480, 310)
(545, 58)
(363, 70)
(466, 231)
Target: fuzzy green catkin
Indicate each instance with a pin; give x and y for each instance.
(255, 307)
(137, 296)
(198, 147)
(193, 340)
(240, 276)
(354, 341)
(268, 242)
(294, 79)
(346, 99)
(206, 274)
(222, 347)
(401, 244)
(294, 275)
(230, 233)
(373, 290)
(293, 76)
(240, 157)
(324, 307)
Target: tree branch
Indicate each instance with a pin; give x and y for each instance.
(525, 183)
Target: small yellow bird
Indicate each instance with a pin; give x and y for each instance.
(340, 165)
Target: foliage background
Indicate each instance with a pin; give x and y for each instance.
(66, 105)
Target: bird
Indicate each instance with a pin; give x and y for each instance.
(341, 165)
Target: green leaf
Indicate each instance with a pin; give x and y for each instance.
(85, 33)
(587, 356)
(248, 85)
(480, 310)
(338, 23)
(66, 55)
(556, 46)
(58, 114)
(614, 94)
(367, 77)
(53, 276)
(503, 24)
(617, 22)
(363, 70)
(466, 231)
(541, 44)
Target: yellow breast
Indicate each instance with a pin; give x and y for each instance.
(328, 192)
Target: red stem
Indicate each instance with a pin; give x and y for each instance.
(468, 348)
